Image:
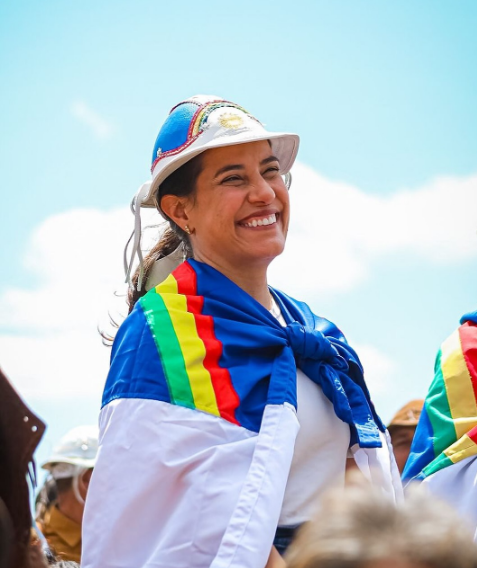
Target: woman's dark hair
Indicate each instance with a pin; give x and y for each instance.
(181, 183)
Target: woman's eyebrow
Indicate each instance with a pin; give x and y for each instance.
(228, 168)
(241, 167)
(268, 160)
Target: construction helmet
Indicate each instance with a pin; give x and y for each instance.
(77, 448)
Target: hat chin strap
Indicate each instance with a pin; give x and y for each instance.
(136, 238)
(79, 472)
(288, 180)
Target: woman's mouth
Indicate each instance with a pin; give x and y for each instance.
(261, 222)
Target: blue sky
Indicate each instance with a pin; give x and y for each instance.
(383, 96)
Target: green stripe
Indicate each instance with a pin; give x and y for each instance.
(439, 463)
(169, 349)
(438, 410)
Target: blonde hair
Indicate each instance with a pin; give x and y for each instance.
(360, 525)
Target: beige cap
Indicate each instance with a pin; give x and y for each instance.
(408, 415)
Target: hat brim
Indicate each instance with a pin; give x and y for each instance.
(82, 462)
(284, 146)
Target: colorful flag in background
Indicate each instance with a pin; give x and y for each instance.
(444, 450)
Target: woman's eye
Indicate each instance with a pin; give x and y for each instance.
(272, 170)
(231, 179)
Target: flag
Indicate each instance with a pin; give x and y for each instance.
(444, 449)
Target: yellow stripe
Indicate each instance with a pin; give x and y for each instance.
(192, 346)
(460, 392)
(463, 448)
(195, 130)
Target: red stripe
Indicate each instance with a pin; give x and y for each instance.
(468, 342)
(227, 398)
(473, 434)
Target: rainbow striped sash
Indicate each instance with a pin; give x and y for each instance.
(447, 429)
(199, 341)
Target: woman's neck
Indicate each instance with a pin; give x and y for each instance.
(252, 279)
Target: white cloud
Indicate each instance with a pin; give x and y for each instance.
(77, 260)
(378, 368)
(337, 231)
(100, 127)
(51, 365)
(50, 345)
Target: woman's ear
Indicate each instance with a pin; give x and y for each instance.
(175, 208)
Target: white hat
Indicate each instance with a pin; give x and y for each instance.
(203, 122)
(192, 127)
(78, 447)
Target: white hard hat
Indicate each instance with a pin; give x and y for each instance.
(78, 448)
(203, 122)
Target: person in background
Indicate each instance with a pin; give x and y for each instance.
(60, 503)
(361, 528)
(402, 428)
(444, 451)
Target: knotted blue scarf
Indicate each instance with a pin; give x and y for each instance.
(198, 340)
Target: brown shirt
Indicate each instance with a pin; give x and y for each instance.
(63, 534)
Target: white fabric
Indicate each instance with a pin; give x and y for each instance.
(457, 485)
(379, 466)
(164, 266)
(319, 460)
(174, 487)
(321, 450)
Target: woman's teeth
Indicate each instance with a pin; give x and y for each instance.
(265, 221)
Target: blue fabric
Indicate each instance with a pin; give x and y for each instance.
(174, 130)
(314, 344)
(136, 371)
(283, 537)
(471, 316)
(422, 449)
(260, 355)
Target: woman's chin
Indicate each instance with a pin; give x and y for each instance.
(259, 252)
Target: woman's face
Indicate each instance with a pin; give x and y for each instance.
(240, 211)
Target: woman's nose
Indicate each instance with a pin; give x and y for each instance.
(261, 191)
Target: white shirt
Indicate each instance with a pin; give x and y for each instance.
(321, 448)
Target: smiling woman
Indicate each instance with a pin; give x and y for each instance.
(230, 408)
(238, 214)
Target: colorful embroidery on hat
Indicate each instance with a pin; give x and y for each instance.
(200, 119)
(198, 124)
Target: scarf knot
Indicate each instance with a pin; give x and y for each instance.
(308, 343)
(320, 358)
